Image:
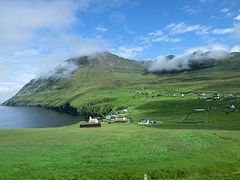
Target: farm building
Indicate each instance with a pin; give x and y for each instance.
(91, 120)
(201, 94)
(190, 93)
(137, 92)
(95, 125)
(199, 110)
(232, 106)
(110, 117)
(216, 97)
(143, 121)
(124, 111)
(121, 118)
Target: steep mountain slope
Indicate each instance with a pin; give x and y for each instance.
(89, 71)
(101, 70)
(103, 83)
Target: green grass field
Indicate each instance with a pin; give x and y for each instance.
(119, 151)
(206, 146)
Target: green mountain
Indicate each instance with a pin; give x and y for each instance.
(105, 83)
(102, 70)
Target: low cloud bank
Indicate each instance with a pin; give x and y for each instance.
(187, 61)
(66, 68)
(61, 71)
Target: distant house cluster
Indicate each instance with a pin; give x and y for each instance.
(118, 117)
(158, 94)
(146, 122)
(147, 94)
(121, 116)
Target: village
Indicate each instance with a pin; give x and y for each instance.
(122, 116)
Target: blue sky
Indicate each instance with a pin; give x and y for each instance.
(36, 35)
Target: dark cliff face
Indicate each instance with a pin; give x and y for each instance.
(66, 108)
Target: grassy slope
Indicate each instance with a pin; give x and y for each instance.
(127, 151)
(119, 151)
(116, 79)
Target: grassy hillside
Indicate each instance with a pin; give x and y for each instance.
(184, 144)
(105, 83)
(119, 151)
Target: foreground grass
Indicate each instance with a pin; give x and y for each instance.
(119, 151)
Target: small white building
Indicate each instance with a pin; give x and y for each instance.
(124, 111)
(216, 98)
(143, 121)
(199, 110)
(190, 93)
(91, 120)
(232, 106)
(137, 92)
(121, 118)
(110, 117)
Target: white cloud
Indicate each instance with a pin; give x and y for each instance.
(166, 39)
(236, 33)
(229, 14)
(194, 49)
(120, 20)
(26, 23)
(184, 61)
(211, 47)
(189, 10)
(235, 48)
(6, 90)
(21, 21)
(118, 3)
(6, 93)
(128, 51)
(101, 29)
(156, 33)
(225, 10)
(223, 31)
(207, 1)
(70, 45)
(219, 47)
(237, 18)
(27, 52)
(182, 27)
(37, 35)
(159, 35)
(233, 31)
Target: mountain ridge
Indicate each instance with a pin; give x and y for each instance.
(106, 76)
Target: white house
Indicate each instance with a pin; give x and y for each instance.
(232, 106)
(143, 121)
(199, 110)
(124, 111)
(121, 118)
(110, 117)
(91, 120)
